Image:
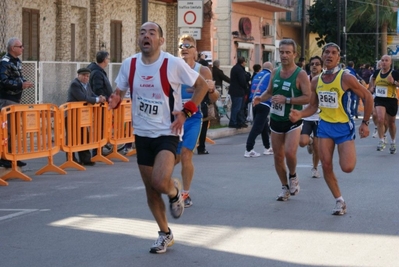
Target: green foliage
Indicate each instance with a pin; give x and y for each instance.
(2, 53)
(323, 21)
(360, 26)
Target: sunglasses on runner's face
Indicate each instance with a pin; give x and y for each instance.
(186, 46)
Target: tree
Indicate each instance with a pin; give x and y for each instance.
(360, 25)
(367, 13)
(322, 20)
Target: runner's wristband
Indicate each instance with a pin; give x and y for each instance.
(190, 107)
(187, 113)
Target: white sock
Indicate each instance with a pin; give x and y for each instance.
(340, 199)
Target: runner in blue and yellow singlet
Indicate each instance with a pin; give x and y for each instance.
(289, 88)
(331, 93)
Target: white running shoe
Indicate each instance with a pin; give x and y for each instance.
(381, 146)
(294, 186)
(177, 205)
(340, 208)
(375, 134)
(164, 240)
(251, 154)
(392, 149)
(284, 195)
(315, 173)
(268, 151)
(310, 146)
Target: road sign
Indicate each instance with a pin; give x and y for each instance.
(189, 14)
(195, 32)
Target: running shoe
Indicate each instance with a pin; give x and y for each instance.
(177, 204)
(392, 149)
(315, 173)
(381, 146)
(294, 186)
(284, 195)
(164, 240)
(251, 154)
(340, 208)
(375, 134)
(187, 200)
(310, 146)
(268, 151)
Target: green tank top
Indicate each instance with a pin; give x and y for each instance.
(286, 87)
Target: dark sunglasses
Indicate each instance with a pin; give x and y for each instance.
(186, 46)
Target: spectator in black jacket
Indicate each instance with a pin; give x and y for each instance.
(218, 75)
(98, 77)
(12, 83)
(99, 80)
(238, 87)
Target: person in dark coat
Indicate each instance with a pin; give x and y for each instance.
(218, 75)
(238, 88)
(99, 81)
(80, 90)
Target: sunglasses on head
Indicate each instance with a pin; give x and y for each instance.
(186, 46)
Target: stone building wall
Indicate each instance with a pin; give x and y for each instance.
(92, 19)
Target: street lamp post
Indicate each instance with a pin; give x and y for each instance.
(377, 29)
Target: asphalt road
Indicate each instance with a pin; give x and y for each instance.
(99, 217)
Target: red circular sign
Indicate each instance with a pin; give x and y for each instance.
(245, 26)
(192, 19)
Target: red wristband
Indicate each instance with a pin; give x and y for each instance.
(190, 107)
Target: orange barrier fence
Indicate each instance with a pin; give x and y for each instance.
(27, 134)
(121, 131)
(2, 182)
(85, 127)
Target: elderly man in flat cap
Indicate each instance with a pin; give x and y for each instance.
(80, 90)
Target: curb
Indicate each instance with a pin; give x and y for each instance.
(225, 131)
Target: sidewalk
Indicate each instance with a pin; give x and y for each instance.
(226, 131)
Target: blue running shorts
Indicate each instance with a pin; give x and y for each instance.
(339, 132)
(192, 129)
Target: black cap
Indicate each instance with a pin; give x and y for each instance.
(83, 70)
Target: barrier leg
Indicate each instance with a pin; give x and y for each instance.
(16, 173)
(72, 164)
(50, 167)
(100, 157)
(131, 153)
(2, 182)
(116, 155)
(210, 141)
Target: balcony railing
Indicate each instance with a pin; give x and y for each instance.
(269, 5)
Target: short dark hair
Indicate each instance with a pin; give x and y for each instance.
(160, 31)
(240, 60)
(101, 56)
(351, 64)
(257, 67)
(318, 58)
